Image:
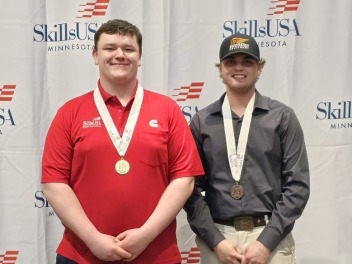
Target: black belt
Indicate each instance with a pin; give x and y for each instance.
(244, 223)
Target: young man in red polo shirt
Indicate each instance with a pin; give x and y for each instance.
(119, 163)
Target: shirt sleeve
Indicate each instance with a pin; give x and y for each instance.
(198, 213)
(183, 156)
(58, 150)
(294, 182)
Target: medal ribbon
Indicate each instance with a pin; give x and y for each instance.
(120, 143)
(236, 155)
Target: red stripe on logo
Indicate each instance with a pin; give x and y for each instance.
(9, 257)
(6, 92)
(291, 8)
(98, 13)
(195, 90)
(90, 9)
(101, 7)
(9, 86)
(189, 92)
(197, 83)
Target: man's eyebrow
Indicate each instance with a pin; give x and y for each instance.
(114, 44)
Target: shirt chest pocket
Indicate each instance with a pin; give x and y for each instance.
(152, 148)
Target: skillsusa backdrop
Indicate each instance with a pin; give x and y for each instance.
(45, 59)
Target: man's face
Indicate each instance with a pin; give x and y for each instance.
(118, 58)
(240, 72)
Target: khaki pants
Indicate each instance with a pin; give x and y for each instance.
(284, 253)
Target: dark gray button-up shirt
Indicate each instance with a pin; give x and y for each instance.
(275, 173)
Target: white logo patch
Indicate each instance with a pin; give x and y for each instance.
(94, 123)
(153, 123)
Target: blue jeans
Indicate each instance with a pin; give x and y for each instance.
(62, 260)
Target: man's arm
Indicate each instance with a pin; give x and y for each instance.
(67, 207)
(294, 182)
(200, 219)
(198, 212)
(169, 205)
(295, 190)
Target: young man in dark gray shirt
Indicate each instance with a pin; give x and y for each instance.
(256, 180)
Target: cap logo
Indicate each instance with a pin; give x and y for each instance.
(239, 43)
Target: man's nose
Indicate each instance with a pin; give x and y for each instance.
(119, 53)
(238, 66)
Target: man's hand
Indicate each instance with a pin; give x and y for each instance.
(105, 247)
(133, 241)
(256, 253)
(228, 252)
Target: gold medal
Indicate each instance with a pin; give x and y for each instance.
(237, 191)
(122, 167)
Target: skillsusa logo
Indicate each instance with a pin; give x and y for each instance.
(95, 122)
(273, 29)
(9, 257)
(7, 92)
(71, 35)
(90, 9)
(338, 115)
(185, 94)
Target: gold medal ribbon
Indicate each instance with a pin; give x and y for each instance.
(121, 143)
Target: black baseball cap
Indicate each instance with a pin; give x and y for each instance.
(239, 43)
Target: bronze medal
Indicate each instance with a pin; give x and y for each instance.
(237, 191)
(122, 167)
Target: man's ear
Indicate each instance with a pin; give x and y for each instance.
(95, 56)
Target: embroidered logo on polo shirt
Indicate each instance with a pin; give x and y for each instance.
(153, 123)
(94, 123)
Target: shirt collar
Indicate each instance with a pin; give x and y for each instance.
(260, 102)
(106, 96)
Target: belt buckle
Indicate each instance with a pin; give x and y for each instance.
(244, 223)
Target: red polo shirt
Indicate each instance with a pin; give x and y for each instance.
(79, 152)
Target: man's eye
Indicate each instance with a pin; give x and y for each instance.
(248, 62)
(230, 62)
(128, 49)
